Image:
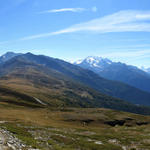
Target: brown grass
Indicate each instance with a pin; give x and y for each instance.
(69, 117)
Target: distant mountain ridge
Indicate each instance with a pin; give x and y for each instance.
(7, 56)
(117, 71)
(58, 83)
(83, 76)
(146, 69)
(87, 77)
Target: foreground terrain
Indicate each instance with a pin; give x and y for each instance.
(72, 129)
(44, 105)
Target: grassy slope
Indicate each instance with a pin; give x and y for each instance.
(65, 129)
(112, 88)
(7, 95)
(59, 91)
(61, 128)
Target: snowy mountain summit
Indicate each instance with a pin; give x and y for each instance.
(94, 61)
(117, 71)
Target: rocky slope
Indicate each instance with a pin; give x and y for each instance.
(117, 71)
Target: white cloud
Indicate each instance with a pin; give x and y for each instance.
(123, 21)
(93, 9)
(63, 10)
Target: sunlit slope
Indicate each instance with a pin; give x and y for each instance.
(49, 88)
(87, 77)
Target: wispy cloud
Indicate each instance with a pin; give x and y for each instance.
(123, 21)
(63, 10)
(94, 9)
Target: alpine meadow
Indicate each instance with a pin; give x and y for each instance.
(75, 75)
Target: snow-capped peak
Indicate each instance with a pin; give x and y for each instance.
(94, 61)
(145, 69)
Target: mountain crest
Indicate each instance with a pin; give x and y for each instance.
(7, 56)
(94, 61)
(118, 71)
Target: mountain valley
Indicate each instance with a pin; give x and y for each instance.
(49, 104)
(62, 84)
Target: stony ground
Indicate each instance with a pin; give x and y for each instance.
(75, 129)
(50, 138)
(9, 142)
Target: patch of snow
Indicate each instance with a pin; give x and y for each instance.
(95, 65)
(145, 69)
(109, 62)
(39, 101)
(78, 62)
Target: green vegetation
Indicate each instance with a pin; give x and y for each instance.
(56, 132)
(49, 110)
(21, 133)
(60, 84)
(22, 85)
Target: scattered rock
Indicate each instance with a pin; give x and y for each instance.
(9, 141)
(113, 141)
(98, 142)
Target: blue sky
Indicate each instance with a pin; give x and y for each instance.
(75, 29)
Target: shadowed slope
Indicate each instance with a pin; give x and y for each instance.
(117, 71)
(87, 77)
(55, 89)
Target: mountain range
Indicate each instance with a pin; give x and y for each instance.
(41, 81)
(117, 71)
(8, 56)
(146, 69)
